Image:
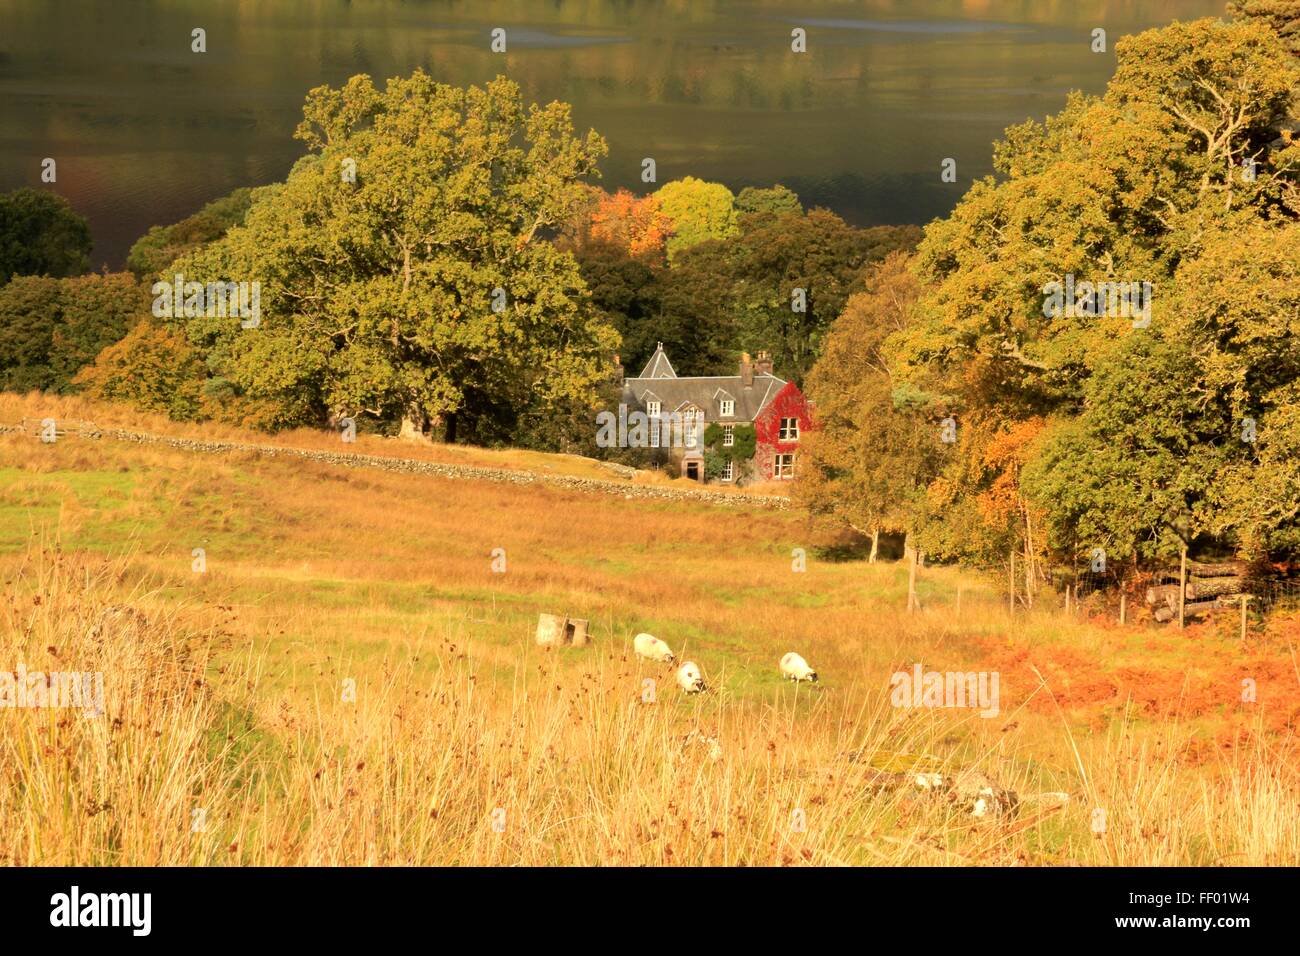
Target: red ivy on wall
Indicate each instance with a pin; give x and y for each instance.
(790, 402)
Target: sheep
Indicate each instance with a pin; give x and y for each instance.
(689, 679)
(651, 648)
(795, 668)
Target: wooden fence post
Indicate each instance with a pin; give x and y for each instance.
(1244, 599)
(911, 581)
(1123, 606)
(1012, 602)
(1182, 589)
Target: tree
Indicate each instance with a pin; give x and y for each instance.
(1116, 431)
(771, 201)
(29, 310)
(628, 292)
(634, 225)
(51, 328)
(1282, 15)
(420, 288)
(155, 369)
(792, 275)
(698, 211)
(874, 451)
(697, 318)
(162, 245)
(94, 312)
(40, 235)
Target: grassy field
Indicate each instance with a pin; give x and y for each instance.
(350, 682)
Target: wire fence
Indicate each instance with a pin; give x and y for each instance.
(1266, 589)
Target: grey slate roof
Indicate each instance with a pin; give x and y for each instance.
(658, 366)
(658, 382)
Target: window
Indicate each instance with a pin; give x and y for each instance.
(784, 468)
(727, 471)
(789, 429)
(690, 432)
(654, 433)
(728, 436)
(728, 407)
(652, 409)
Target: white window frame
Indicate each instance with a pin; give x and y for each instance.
(652, 409)
(790, 431)
(783, 470)
(728, 470)
(727, 407)
(728, 436)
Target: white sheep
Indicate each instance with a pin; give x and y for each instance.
(689, 679)
(795, 668)
(651, 648)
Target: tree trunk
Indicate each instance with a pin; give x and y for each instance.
(414, 424)
(1166, 594)
(910, 552)
(1011, 582)
(1213, 587)
(1029, 557)
(1182, 589)
(1225, 569)
(875, 545)
(1199, 607)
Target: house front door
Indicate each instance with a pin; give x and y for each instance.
(692, 470)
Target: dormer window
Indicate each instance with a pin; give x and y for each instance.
(727, 407)
(652, 409)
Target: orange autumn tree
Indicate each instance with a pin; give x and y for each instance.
(632, 223)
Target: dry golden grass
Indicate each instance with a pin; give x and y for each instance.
(36, 406)
(467, 744)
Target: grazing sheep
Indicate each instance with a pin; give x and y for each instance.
(651, 648)
(795, 668)
(689, 679)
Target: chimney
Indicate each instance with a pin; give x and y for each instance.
(763, 365)
(618, 370)
(746, 370)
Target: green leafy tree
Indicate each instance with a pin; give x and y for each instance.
(770, 201)
(155, 368)
(699, 211)
(876, 447)
(791, 276)
(1282, 15)
(425, 289)
(40, 235)
(157, 249)
(628, 292)
(29, 309)
(1146, 183)
(52, 328)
